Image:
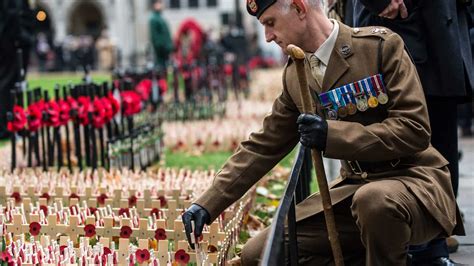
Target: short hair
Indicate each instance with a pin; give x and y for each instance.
(285, 4)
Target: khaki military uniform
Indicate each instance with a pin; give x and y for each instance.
(402, 188)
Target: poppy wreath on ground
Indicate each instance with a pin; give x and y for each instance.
(52, 111)
(18, 120)
(99, 113)
(84, 106)
(143, 255)
(181, 257)
(34, 116)
(131, 103)
(64, 112)
(35, 228)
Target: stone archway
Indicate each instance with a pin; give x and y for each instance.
(86, 18)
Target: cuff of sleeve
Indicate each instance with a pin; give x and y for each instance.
(333, 144)
(214, 201)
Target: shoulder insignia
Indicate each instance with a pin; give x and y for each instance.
(371, 31)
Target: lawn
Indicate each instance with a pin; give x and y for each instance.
(47, 81)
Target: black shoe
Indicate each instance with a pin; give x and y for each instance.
(444, 261)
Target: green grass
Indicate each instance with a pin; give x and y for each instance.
(49, 80)
(204, 161)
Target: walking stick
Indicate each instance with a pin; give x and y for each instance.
(298, 56)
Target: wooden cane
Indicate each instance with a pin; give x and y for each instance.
(298, 56)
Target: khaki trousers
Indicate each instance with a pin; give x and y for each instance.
(375, 227)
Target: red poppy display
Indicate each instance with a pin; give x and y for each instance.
(144, 89)
(163, 201)
(157, 212)
(84, 107)
(74, 196)
(64, 111)
(34, 116)
(124, 211)
(125, 231)
(114, 103)
(99, 114)
(89, 230)
(143, 255)
(160, 234)
(46, 196)
(52, 110)
(181, 257)
(107, 251)
(19, 119)
(131, 103)
(44, 209)
(35, 228)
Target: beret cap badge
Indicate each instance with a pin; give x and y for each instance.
(252, 5)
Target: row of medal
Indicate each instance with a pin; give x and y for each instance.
(360, 95)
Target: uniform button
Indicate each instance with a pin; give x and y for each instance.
(356, 30)
(364, 175)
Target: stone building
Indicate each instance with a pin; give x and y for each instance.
(127, 20)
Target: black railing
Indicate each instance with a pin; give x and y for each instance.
(279, 249)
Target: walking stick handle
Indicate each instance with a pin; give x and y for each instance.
(298, 56)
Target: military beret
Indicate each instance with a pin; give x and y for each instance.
(257, 7)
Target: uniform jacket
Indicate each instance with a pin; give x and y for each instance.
(437, 36)
(399, 129)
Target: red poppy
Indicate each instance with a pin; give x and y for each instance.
(181, 257)
(163, 84)
(74, 196)
(131, 103)
(34, 116)
(160, 234)
(46, 196)
(44, 209)
(19, 119)
(89, 230)
(16, 195)
(142, 255)
(52, 110)
(107, 105)
(124, 211)
(101, 199)
(84, 106)
(144, 89)
(125, 231)
(64, 111)
(99, 114)
(132, 201)
(163, 201)
(115, 104)
(35, 228)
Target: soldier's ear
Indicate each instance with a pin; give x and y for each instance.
(299, 6)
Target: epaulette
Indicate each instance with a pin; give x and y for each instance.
(377, 31)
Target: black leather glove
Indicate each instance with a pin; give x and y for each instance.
(200, 216)
(313, 131)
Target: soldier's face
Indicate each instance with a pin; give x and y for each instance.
(282, 26)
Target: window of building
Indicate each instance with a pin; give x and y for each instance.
(193, 3)
(211, 3)
(175, 4)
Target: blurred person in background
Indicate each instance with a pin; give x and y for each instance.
(160, 35)
(465, 110)
(436, 34)
(16, 32)
(106, 51)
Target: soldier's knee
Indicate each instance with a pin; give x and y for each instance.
(252, 250)
(370, 204)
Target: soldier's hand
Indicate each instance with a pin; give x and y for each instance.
(200, 216)
(313, 131)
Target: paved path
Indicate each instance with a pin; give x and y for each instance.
(465, 253)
